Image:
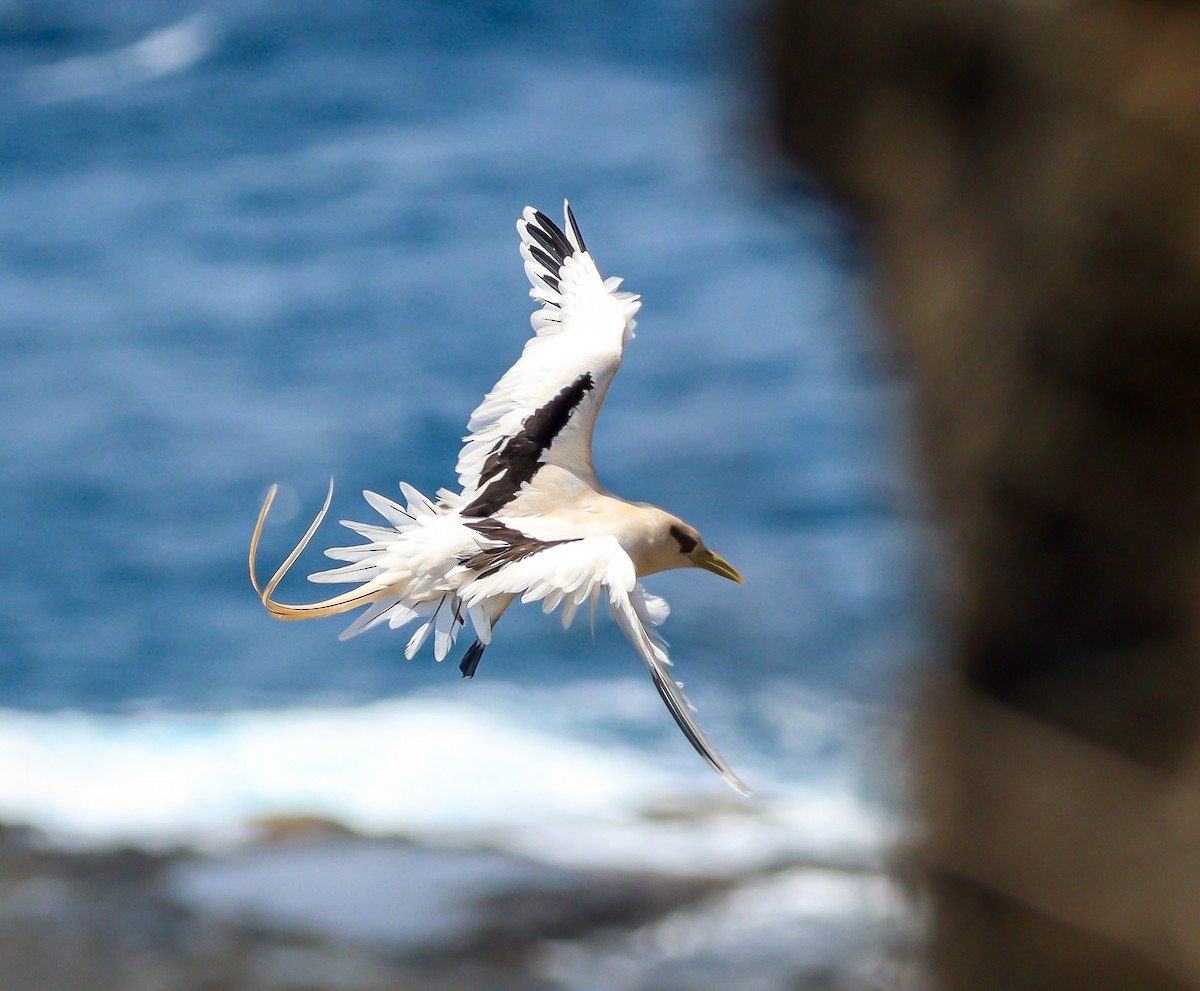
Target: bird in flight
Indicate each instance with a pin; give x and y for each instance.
(531, 518)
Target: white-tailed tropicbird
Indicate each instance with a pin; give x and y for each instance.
(531, 519)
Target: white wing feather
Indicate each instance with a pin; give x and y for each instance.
(582, 328)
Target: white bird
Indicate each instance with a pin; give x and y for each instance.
(531, 518)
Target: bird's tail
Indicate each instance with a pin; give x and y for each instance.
(326, 607)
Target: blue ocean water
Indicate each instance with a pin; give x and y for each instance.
(273, 241)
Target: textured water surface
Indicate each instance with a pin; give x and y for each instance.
(273, 242)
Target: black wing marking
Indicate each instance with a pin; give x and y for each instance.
(509, 545)
(518, 459)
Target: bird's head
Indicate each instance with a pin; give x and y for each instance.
(687, 544)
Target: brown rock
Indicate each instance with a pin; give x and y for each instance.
(1030, 175)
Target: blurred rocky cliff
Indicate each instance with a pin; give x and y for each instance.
(1029, 174)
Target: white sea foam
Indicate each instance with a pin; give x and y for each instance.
(407, 765)
(454, 772)
(163, 52)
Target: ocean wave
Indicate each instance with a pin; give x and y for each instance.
(163, 52)
(436, 769)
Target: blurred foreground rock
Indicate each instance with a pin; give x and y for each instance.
(313, 907)
(1029, 175)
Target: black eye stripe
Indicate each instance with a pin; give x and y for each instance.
(686, 544)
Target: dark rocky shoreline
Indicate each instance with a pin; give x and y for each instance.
(310, 906)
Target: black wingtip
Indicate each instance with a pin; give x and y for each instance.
(561, 245)
(542, 257)
(574, 226)
(544, 240)
(470, 659)
(681, 720)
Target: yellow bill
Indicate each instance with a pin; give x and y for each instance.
(712, 561)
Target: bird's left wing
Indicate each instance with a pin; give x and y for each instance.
(573, 572)
(544, 408)
(632, 613)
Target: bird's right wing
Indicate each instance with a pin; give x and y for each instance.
(572, 572)
(543, 410)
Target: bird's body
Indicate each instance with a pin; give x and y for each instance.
(530, 519)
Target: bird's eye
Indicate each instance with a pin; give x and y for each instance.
(687, 543)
